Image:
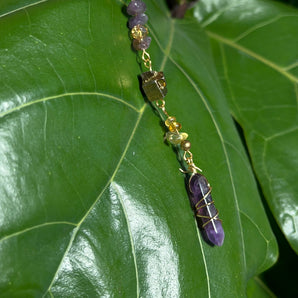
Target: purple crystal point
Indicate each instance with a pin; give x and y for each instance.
(200, 195)
(136, 7)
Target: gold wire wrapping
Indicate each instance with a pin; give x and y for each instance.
(187, 156)
(215, 217)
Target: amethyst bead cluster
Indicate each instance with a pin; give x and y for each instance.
(136, 9)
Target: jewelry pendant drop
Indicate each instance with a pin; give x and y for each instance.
(201, 199)
(155, 88)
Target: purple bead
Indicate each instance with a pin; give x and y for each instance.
(136, 7)
(140, 19)
(142, 44)
(205, 210)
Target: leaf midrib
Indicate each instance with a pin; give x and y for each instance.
(252, 54)
(98, 198)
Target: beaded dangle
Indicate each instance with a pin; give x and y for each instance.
(155, 88)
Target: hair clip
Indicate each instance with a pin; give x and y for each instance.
(155, 88)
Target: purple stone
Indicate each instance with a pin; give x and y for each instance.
(140, 19)
(142, 44)
(205, 210)
(136, 7)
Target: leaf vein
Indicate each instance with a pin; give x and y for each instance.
(22, 8)
(130, 236)
(216, 15)
(254, 55)
(74, 233)
(204, 260)
(264, 286)
(169, 46)
(263, 236)
(99, 196)
(204, 100)
(259, 26)
(166, 57)
(68, 94)
(36, 227)
(282, 133)
(291, 66)
(117, 166)
(257, 227)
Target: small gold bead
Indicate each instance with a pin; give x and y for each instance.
(138, 32)
(174, 126)
(185, 145)
(170, 120)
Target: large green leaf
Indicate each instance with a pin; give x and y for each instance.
(255, 48)
(92, 202)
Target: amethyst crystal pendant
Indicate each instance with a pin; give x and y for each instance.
(200, 196)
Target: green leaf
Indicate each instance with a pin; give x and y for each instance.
(92, 200)
(257, 289)
(255, 50)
